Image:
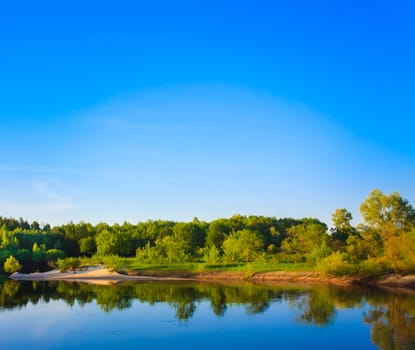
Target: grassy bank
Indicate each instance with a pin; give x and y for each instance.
(134, 265)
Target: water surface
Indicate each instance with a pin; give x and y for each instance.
(144, 315)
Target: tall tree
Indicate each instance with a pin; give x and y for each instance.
(342, 227)
(388, 214)
(308, 241)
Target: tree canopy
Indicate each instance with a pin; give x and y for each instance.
(385, 241)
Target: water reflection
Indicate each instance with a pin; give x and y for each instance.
(391, 315)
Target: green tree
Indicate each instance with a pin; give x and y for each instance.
(87, 246)
(243, 245)
(38, 252)
(399, 252)
(390, 226)
(308, 242)
(112, 243)
(12, 265)
(231, 249)
(54, 254)
(189, 237)
(212, 254)
(342, 228)
(68, 264)
(8, 238)
(388, 214)
(216, 233)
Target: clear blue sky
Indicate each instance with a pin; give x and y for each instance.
(131, 110)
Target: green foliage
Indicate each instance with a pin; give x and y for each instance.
(336, 265)
(387, 214)
(243, 245)
(146, 254)
(189, 237)
(87, 246)
(54, 254)
(384, 242)
(38, 252)
(11, 265)
(8, 239)
(68, 264)
(23, 255)
(112, 243)
(342, 229)
(320, 252)
(399, 252)
(216, 234)
(307, 241)
(170, 250)
(212, 255)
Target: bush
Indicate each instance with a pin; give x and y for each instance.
(336, 265)
(374, 267)
(212, 255)
(68, 264)
(54, 254)
(113, 262)
(12, 265)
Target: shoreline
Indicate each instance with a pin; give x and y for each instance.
(105, 276)
(92, 275)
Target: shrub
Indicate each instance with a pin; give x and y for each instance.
(68, 264)
(12, 265)
(212, 255)
(374, 267)
(336, 265)
(54, 254)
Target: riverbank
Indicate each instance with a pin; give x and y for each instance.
(102, 275)
(90, 274)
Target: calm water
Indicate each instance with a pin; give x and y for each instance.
(58, 315)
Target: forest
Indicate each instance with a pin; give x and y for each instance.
(384, 242)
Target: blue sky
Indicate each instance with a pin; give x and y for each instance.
(126, 110)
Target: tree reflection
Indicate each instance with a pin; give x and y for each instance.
(317, 308)
(393, 322)
(391, 314)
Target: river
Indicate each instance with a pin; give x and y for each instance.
(160, 315)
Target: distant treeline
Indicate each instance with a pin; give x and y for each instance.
(385, 242)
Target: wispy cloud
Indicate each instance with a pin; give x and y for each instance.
(53, 170)
(43, 200)
(48, 191)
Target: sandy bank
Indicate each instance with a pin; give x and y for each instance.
(91, 274)
(101, 275)
(253, 277)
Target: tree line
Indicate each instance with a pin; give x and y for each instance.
(385, 241)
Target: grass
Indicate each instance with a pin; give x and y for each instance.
(135, 265)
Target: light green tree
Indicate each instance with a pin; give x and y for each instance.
(388, 214)
(8, 238)
(11, 265)
(341, 219)
(112, 243)
(212, 254)
(386, 240)
(87, 246)
(243, 245)
(308, 241)
(342, 228)
(38, 252)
